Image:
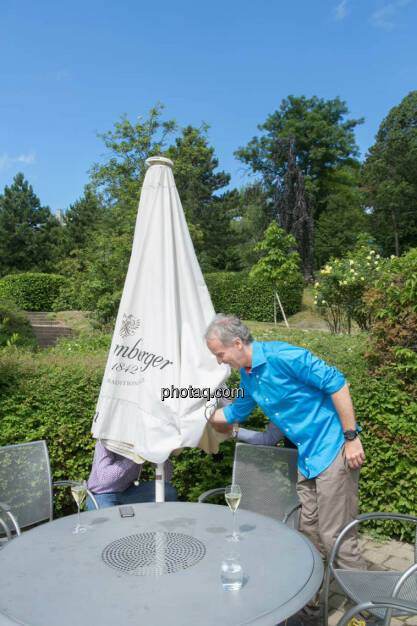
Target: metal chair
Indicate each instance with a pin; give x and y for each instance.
(367, 586)
(267, 476)
(409, 608)
(26, 487)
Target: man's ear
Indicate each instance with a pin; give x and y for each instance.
(238, 343)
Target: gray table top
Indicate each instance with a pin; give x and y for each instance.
(51, 576)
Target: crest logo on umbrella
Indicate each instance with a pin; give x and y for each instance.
(129, 326)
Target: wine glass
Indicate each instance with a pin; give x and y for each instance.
(79, 491)
(233, 494)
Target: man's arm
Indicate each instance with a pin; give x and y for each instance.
(342, 401)
(269, 437)
(220, 423)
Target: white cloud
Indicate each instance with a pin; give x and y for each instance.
(7, 160)
(340, 11)
(385, 17)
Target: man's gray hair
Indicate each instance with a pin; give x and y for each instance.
(228, 328)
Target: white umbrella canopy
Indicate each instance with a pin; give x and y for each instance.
(158, 343)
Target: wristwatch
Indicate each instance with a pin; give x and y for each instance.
(350, 435)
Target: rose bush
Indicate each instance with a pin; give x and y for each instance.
(341, 285)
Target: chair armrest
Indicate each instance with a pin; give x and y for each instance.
(364, 517)
(210, 492)
(291, 512)
(6, 509)
(70, 483)
(408, 572)
(402, 517)
(5, 528)
(379, 603)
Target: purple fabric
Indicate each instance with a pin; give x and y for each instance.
(270, 437)
(113, 473)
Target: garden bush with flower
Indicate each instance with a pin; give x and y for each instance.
(341, 284)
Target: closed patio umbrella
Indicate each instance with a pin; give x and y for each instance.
(159, 371)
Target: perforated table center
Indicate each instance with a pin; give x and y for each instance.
(160, 567)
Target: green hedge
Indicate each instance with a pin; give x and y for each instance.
(15, 327)
(52, 395)
(250, 299)
(32, 292)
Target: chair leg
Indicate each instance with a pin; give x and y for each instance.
(326, 591)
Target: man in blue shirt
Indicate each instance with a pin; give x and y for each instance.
(310, 403)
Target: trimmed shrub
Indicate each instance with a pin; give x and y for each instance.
(52, 396)
(393, 305)
(15, 327)
(32, 292)
(249, 298)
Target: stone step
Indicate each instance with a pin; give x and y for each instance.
(48, 335)
(40, 318)
(47, 330)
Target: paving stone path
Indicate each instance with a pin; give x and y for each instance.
(379, 556)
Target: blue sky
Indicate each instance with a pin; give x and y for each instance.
(69, 70)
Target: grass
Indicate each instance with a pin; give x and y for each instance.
(308, 318)
(78, 321)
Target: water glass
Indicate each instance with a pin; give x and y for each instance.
(231, 573)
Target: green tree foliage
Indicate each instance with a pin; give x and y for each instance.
(323, 139)
(280, 263)
(29, 234)
(118, 179)
(339, 226)
(389, 178)
(209, 215)
(82, 220)
(250, 223)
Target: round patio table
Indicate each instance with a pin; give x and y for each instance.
(160, 567)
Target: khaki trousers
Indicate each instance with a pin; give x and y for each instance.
(328, 503)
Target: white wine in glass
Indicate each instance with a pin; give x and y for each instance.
(233, 495)
(79, 491)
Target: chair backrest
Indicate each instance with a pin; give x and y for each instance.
(25, 482)
(267, 476)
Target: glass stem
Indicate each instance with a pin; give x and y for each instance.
(234, 523)
(78, 515)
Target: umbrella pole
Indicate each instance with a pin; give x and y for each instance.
(160, 483)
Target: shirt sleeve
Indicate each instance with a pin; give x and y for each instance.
(111, 471)
(304, 366)
(240, 409)
(269, 437)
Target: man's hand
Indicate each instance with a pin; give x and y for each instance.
(355, 455)
(219, 422)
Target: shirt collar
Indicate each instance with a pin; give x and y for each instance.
(258, 356)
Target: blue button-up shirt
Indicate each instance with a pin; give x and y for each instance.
(293, 388)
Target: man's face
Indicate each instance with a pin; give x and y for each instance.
(231, 355)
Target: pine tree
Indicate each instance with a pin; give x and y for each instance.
(29, 233)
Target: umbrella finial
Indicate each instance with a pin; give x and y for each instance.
(159, 160)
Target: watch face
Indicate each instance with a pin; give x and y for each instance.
(350, 435)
